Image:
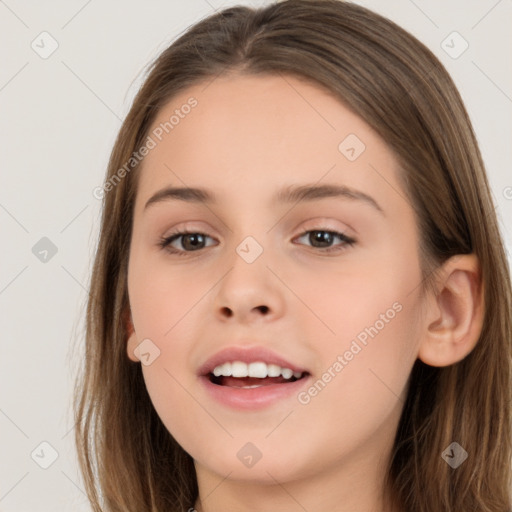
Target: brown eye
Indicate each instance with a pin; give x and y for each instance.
(186, 241)
(323, 239)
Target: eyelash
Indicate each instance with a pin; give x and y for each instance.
(165, 242)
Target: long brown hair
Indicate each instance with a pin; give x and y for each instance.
(128, 459)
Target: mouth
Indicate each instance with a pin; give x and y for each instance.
(251, 378)
(238, 374)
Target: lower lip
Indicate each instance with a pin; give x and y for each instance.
(253, 398)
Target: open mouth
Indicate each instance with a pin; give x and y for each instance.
(250, 382)
(252, 385)
(253, 375)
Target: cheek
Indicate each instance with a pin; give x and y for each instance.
(368, 335)
(358, 395)
(161, 295)
(165, 305)
(345, 303)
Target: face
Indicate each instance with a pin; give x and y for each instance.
(324, 284)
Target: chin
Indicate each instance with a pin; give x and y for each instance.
(267, 470)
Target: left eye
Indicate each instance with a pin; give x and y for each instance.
(194, 241)
(324, 238)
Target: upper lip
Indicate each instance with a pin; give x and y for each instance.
(246, 355)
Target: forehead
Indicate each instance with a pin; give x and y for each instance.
(253, 133)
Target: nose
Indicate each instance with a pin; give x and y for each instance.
(249, 292)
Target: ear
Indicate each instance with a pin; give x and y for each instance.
(455, 314)
(131, 342)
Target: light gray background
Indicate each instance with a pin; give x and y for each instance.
(59, 118)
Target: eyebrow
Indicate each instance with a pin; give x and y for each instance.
(288, 194)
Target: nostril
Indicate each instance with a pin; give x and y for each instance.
(263, 309)
(227, 311)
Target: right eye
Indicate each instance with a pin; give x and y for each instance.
(191, 241)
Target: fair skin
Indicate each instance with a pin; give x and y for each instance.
(248, 137)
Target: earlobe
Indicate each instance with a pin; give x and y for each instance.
(131, 342)
(454, 322)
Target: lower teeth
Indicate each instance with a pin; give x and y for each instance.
(218, 381)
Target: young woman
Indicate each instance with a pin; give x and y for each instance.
(300, 298)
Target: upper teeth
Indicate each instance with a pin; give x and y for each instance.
(257, 369)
